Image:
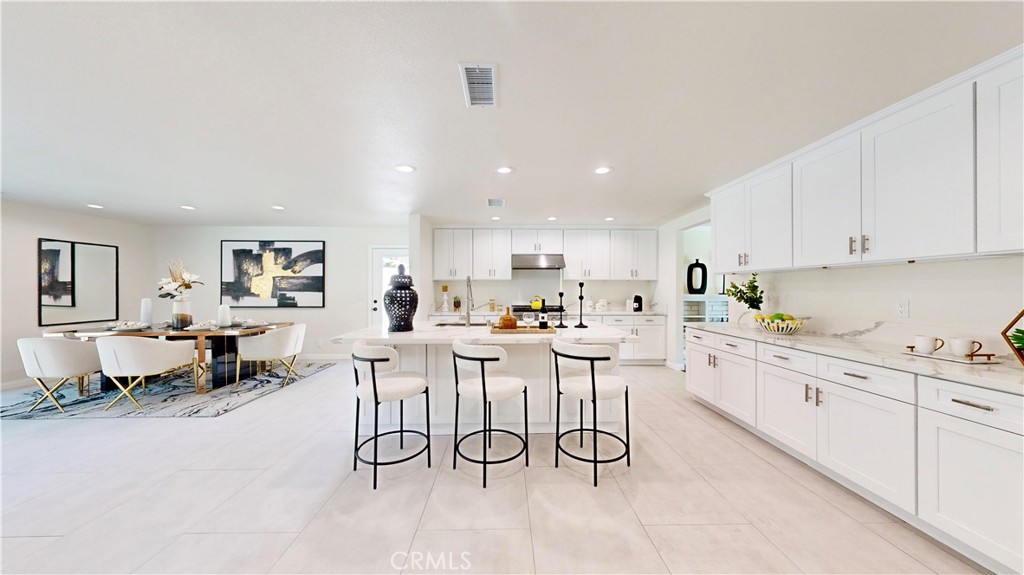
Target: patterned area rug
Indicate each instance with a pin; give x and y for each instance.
(170, 396)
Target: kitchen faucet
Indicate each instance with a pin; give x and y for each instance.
(469, 299)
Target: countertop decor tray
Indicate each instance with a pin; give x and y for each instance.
(954, 359)
(495, 330)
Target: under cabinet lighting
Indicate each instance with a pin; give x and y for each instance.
(94, 206)
(405, 169)
(190, 208)
(602, 170)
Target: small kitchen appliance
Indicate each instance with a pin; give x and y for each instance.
(638, 303)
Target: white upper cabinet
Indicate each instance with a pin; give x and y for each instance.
(1001, 159)
(586, 254)
(453, 254)
(753, 223)
(826, 204)
(492, 254)
(537, 242)
(634, 255)
(918, 179)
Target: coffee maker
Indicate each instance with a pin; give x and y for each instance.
(638, 303)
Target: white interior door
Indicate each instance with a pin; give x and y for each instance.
(384, 263)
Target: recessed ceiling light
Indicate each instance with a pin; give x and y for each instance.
(277, 207)
(552, 219)
(188, 207)
(609, 219)
(495, 218)
(405, 169)
(602, 170)
(505, 170)
(94, 206)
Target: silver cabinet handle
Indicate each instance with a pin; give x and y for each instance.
(731, 345)
(746, 259)
(781, 357)
(698, 337)
(709, 359)
(807, 393)
(853, 245)
(857, 375)
(817, 396)
(739, 259)
(716, 361)
(974, 405)
(864, 244)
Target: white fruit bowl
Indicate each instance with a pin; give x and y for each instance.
(781, 327)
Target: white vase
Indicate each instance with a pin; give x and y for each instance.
(181, 313)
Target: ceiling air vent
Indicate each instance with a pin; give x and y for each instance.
(478, 84)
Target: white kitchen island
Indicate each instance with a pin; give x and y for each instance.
(428, 349)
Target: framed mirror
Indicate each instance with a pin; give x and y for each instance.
(77, 282)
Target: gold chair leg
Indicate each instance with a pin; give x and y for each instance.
(238, 369)
(195, 375)
(48, 392)
(291, 367)
(125, 391)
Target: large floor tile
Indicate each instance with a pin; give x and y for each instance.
(718, 549)
(923, 548)
(477, 551)
(19, 488)
(21, 550)
(219, 553)
(579, 528)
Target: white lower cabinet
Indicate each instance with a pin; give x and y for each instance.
(970, 482)
(785, 407)
(868, 439)
(650, 330)
(735, 390)
(700, 375)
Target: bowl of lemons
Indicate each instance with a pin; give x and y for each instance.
(779, 323)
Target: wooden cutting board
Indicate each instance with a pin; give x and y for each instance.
(496, 330)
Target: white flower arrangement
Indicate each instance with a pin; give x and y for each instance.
(179, 283)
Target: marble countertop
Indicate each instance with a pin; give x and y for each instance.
(1007, 376)
(573, 311)
(431, 334)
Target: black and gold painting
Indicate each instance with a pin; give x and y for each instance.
(56, 273)
(272, 273)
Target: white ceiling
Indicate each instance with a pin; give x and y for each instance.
(233, 107)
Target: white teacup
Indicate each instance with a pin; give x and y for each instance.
(928, 344)
(964, 347)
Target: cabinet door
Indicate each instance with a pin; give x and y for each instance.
(970, 484)
(785, 407)
(646, 255)
(918, 179)
(598, 257)
(826, 204)
(700, 376)
(652, 342)
(736, 392)
(623, 255)
(524, 242)
(729, 229)
(482, 249)
(869, 439)
(443, 245)
(770, 217)
(462, 253)
(501, 254)
(1001, 159)
(575, 254)
(549, 241)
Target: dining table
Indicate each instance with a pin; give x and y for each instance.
(223, 349)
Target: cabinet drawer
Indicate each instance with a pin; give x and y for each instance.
(885, 382)
(701, 337)
(994, 408)
(739, 346)
(619, 320)
(649, 320)
(788, 358)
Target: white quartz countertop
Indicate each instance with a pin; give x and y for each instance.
(1007, 376)
(571, 312)
(428, 333)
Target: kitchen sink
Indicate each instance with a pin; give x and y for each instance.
(458, 324)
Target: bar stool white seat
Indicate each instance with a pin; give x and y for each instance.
(590, 377)
(48, 357)
(492, 385)
(381, 384)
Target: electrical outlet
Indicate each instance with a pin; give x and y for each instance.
(903, 309)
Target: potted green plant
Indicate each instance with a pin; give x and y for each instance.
(749, 293)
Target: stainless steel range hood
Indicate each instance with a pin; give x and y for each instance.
(538, 261)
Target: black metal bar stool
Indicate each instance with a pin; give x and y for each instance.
(600, 383)
(492, 385)
(385, 385)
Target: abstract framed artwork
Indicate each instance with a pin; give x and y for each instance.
(272, 273)
(56, 273)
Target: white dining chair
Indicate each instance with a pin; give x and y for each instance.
(274, 345)
(49, 357)
(134, 358)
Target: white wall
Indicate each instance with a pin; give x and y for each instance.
(668, 289)
(346, 275)
(22, 226)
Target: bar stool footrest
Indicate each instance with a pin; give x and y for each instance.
(522, 447)
(394, 461)
(622, 455)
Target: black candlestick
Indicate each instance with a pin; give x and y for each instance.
(561, 308)
(581, 325)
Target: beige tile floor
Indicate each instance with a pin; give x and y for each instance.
(270, 488)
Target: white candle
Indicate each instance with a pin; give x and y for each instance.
(561, 273)
(224, 316)
(146, 312)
